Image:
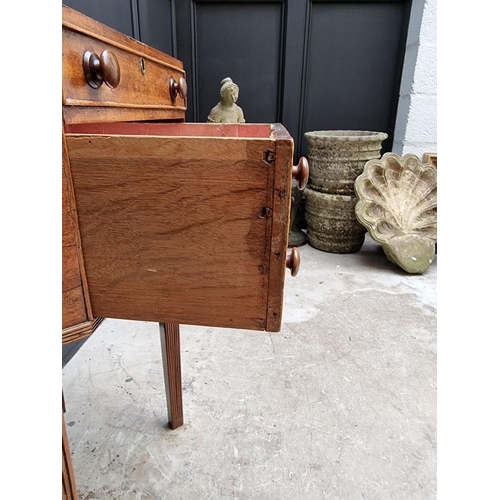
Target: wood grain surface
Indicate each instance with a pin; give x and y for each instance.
(80, 330)
(175, 228)
(85, 114)
(171, 358)
(75, 310)
(250, 130)
(282, 192)
(68, 475)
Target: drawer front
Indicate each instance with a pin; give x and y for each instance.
(186, 230)
(140, 76)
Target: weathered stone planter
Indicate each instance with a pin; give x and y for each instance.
(331, 222)
(337, 157)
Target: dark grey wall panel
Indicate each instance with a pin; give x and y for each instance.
(353, 67)
(149, 21)
(155, 24)
(297, 23)
(309, 64)
(242, 41)
(114, 13)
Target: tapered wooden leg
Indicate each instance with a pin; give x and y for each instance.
(68, 476)
(171, 355)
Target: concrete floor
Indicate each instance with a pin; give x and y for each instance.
(341, 404)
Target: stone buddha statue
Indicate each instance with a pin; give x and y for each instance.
(227, 111)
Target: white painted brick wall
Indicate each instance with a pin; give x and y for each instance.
(416, 122)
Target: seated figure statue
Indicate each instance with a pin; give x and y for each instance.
(227, 111)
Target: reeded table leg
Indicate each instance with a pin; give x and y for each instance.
(171, 355)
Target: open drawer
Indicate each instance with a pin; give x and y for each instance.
(184, 222)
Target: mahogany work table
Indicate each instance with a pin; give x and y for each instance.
(163, 220)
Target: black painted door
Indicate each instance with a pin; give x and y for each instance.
(311, 65)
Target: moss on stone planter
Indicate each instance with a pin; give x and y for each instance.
(331, 222)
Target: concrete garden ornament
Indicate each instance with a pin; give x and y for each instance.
(397, 203)
(336, 158)
(227, 111)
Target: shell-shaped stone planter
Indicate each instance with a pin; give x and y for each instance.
(331, 222)
(397, 203)
(337, 157)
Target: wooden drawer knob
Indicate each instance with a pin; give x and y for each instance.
(300, 173)
(177, 88)
(293, 261)
(101, 69)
